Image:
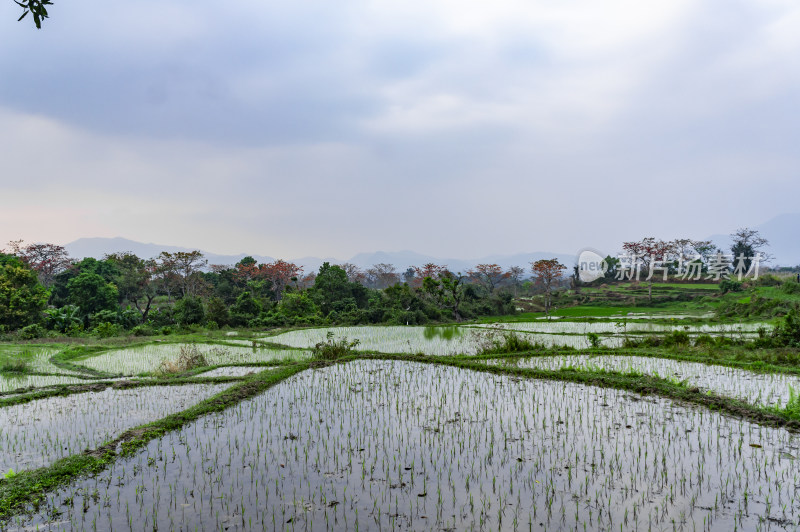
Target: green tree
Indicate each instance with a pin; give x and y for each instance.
(298, 306)
(333, 291)
(189, 311)
(453, 291)
(135, 281)
(22, 297)
(91, 293)
(217, 311)
(245, 309)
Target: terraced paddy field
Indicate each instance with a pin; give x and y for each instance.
(415, 429)
(379, 445)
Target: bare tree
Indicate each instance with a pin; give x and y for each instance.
(488, 276)
(515, 274)
(382, 275)
(748, 243)
(354, 273)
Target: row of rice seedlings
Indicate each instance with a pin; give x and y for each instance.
(763, 389)
(40, 432)
(395, 445)
(148, 358)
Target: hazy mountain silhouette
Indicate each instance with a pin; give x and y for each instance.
(98, 247)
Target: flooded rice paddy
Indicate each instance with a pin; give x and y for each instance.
(378, 445)
(11, 382)
(146, 359)
(469, 339)
(436, 341)
(763, 389)
(40, 432)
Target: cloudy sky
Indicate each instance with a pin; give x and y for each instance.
(453, 128)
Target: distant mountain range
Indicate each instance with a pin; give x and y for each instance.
(97, 247)
(783, 233)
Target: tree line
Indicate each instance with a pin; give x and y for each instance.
(43, 289)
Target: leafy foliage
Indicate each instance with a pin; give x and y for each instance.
(36, 8)
(22, 297)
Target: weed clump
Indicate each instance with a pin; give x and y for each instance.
(792, 408)
(15, 366)
(594, 340)
(332, 349)
(190, 357)
(496, 341)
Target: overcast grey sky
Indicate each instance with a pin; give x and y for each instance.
(453, 128)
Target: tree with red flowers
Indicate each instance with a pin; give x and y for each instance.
(280, 273)
(47, 260)
(651, 255)
(547, 271)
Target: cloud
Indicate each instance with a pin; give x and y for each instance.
(451, 128)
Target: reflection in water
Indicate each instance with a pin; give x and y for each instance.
(446, 333)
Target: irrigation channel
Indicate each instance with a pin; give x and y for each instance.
(420, 429)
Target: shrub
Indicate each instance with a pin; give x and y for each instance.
(727, 285)
(142, 330)
(676, 338)
(788, 332)
(107, 330)
(74, 329)
(29, 332)
(767, 280)
(791, 287)
(102, 316)
(704, 340)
